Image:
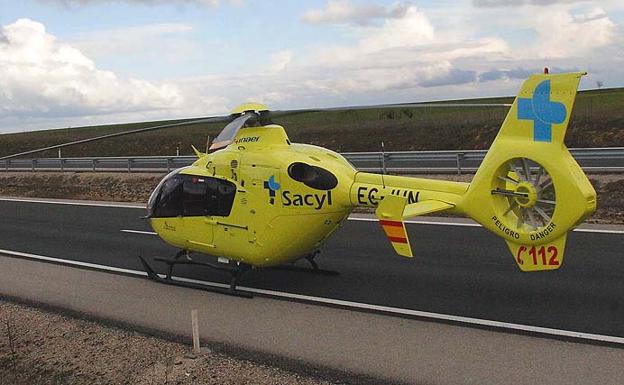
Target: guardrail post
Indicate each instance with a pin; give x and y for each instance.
(168, 164)
(460, 156)
(129, 165)
(383, 162)
(93, 162)
(32, 164)
(6, 165)
(61, 160)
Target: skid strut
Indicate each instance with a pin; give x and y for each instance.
(315, 269)
(235, 272)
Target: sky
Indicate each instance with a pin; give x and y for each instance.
(68, 63)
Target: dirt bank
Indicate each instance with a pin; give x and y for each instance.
(136, 187)
(47, 348)
(120, 187)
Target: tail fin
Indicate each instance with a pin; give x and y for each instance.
(529, 189)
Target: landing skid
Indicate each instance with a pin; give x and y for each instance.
(236, 273)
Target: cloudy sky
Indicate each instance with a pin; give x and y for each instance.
(81, 62)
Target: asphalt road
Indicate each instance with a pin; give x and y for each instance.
(463, 271)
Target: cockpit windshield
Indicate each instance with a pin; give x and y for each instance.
(248, 119)
(191, 196)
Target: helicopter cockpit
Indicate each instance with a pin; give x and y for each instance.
(191, 196)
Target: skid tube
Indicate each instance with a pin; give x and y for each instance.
(168, 280)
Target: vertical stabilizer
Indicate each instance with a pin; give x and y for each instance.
(529, 189)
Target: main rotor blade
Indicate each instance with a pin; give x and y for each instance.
(280, 113)
(227, 133)
(130, 132)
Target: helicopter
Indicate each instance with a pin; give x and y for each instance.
(256, 200)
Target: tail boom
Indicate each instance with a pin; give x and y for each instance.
(396, 198)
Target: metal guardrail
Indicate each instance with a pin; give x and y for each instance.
(454, 161)
(606, 159)
(135, 163)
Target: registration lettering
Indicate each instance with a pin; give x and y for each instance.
(372, 196)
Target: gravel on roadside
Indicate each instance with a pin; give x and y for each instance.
(48, 348)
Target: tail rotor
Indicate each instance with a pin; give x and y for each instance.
(525, 195)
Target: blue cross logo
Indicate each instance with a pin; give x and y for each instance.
(272, 186)
(542, 111)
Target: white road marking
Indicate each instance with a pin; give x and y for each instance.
(602, 231)
(139, 232)
(418, 222)
(460, 224)
(74, 203)
(347, 304)
(464, 224)
(72, 263)
(132, 206)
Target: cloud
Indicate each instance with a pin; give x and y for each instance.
(280, 60)
(413, 28)
(406, 57)
(516, 73)
(78, 3)
(564, 34)
(519, 73)
(344, 12)
(517, 3)
(398, 59)
(454, 76)
(132, 40)
(43, 77)
(402, 53)
(597, 14)
(413, 55)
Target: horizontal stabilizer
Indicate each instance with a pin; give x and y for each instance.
(391, 212)
(425, 207)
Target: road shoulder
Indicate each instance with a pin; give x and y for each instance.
(375, 345)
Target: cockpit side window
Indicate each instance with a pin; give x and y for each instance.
(169, 200)
(192, 196)
(226, 192)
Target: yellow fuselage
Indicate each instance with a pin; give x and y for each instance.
(265, 227)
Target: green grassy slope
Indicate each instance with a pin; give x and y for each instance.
(597, 121)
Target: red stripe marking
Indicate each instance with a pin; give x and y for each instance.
(398, 240)
(391, 223)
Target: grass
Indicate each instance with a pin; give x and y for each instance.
(597, 121)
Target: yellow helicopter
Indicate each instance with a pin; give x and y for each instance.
(255, 199)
